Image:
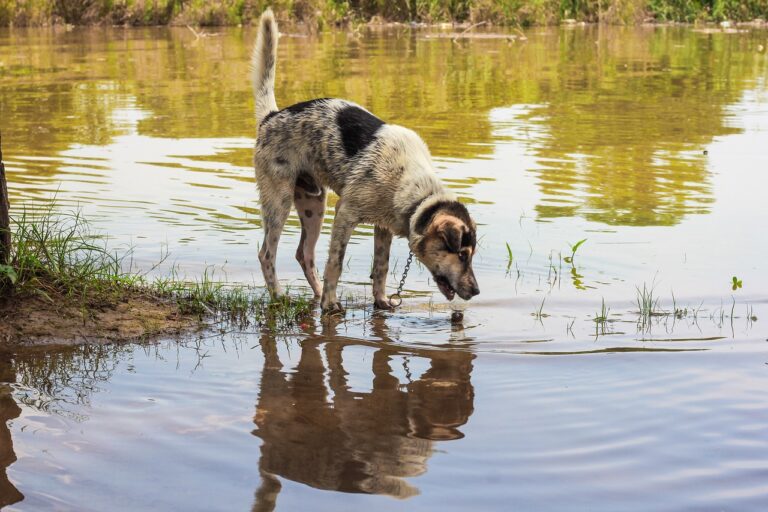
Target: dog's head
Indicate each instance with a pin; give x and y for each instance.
(444, 239)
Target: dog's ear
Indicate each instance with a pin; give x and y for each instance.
(451, 232)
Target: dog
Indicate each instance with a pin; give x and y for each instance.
(382, 173)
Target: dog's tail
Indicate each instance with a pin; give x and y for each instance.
(263, 66)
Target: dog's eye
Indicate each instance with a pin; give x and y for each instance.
(463, 255)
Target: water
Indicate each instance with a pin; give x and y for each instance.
(647, 142)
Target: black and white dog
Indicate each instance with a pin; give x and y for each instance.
(383, 175)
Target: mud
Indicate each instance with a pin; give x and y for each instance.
(34, 320)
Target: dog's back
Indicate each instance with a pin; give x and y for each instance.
(335, 142)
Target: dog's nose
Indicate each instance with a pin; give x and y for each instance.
(475, 290)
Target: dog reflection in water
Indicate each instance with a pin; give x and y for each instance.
(9, 410)
(318, 431)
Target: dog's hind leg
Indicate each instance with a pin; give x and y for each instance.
(275, 205)
(311, 209)
(382, 240)
(343, 226)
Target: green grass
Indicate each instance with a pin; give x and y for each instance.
(57, 256)
(647, 302)
(207, 296)
(602, 316)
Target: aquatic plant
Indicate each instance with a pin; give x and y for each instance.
(735, 283)
(539, 313)
(602, 316)
(574, 248)
(647, 305)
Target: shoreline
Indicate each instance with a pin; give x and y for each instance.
(465, 29)
(327, 17)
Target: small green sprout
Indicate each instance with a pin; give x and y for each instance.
(736, 284)
(574, 248)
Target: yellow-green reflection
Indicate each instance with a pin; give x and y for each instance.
(619, 117)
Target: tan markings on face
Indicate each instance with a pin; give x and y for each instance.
(442, 252)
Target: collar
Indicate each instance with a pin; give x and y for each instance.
(419, 207)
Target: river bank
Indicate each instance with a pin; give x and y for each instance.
(321, 14)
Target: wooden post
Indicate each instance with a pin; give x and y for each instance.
(5, 222)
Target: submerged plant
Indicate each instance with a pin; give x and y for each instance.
(602, 316)
(539, 314)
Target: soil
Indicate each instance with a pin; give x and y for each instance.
(34, 320)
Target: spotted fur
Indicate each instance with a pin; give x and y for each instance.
(383, 174)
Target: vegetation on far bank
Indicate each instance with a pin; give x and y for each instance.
(322, 13)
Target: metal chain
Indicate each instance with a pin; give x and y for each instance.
(396, 298)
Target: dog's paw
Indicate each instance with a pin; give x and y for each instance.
(333, 309)
(383, 304)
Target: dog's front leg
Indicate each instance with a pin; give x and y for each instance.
(343, 225)
(382, 241)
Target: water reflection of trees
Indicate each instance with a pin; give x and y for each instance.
(319, 430)
(56, 381)
(61, 380)
(623, 113)
(628, 119)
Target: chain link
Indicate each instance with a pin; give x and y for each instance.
(396, 298)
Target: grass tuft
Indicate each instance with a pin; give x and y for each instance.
(57, 254)
(58, 257)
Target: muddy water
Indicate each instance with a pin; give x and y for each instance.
(649, 143)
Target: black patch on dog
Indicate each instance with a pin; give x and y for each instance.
(357, 127)
(269, 116)
(308, 213)
(469, 239)
(308, 183)
(412, 209)
(296, 108)
(300, 107)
